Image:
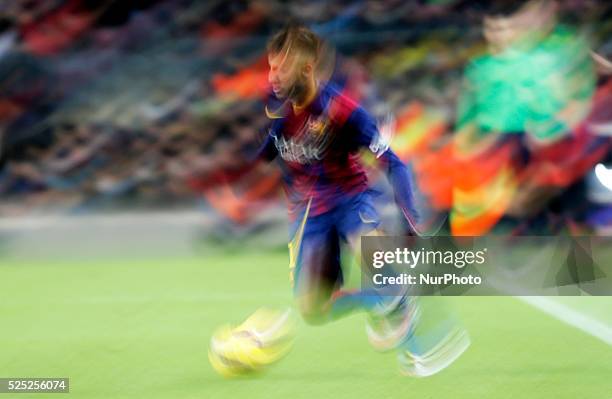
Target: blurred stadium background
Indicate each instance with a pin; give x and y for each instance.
(123, 123)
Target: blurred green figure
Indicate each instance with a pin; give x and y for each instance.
(537, 78)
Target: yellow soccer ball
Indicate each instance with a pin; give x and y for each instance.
(264, 338)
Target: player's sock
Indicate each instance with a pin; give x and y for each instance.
(347, 302)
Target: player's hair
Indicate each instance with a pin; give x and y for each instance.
(295, 37)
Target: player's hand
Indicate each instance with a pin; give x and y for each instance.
(382, 141)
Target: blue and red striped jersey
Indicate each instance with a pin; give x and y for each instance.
(318, 151)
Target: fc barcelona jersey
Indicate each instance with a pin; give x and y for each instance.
(318, 151)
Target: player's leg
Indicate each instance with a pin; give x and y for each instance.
(318, 278)
(317, 273)
(389, 315)
(356, 218)
(347, 301)
(316, 268)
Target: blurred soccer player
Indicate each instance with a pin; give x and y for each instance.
(316, 135)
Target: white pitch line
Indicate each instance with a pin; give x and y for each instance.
(570, 316)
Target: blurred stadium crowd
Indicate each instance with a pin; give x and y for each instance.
(504, 111)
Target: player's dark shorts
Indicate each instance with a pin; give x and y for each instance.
(315, 245)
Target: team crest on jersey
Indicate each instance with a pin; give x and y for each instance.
(317, 126)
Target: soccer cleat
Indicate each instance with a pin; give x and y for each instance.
(435, 340)
(418, 363)
(390, 324)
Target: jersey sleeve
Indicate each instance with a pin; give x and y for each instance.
(267, 150)
(366, 134)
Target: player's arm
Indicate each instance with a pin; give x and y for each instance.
(267, 150)
(398, 174)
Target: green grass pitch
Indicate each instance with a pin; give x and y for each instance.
(140, 329)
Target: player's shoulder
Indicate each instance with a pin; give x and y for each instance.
(339, 105)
